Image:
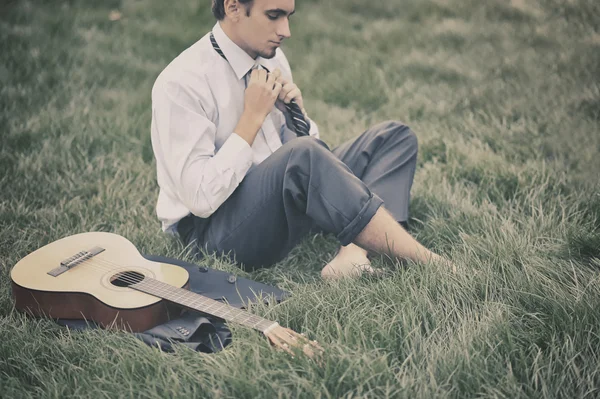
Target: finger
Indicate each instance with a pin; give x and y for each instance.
(254, 76)
(262, 75)
(277, 89)
(285, 89)
(271, 79)
(283, 80)
(277, 73)
(292, 94)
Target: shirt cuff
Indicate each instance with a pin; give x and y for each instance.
(237, 153)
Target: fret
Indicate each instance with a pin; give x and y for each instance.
(190, 301)
(181, 293)
(206, 305)
(263, 324)
(243, 316)
(198, 298)
(165, 293)
(225, 312)
(250, 320)
(218, 309)
(245, 320)
(179, 298)
(255, 319)
(193, 297)
(164, 290)
(177, 295)
(187, 298)
(266, 329)
(203, 304)
(229, 310)
(208, 308)
(257, 324)
(238, 315)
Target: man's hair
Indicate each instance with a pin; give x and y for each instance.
(218, 8)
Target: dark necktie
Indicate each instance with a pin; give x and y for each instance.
(301, 126)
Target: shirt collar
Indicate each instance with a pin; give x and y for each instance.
(239, 60)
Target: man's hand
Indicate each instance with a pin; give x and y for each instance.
(289, 92)
(259, 98)
(261, 93)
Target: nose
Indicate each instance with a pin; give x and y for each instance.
(283, 30)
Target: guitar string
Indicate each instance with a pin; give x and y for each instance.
(248, 318)
(102, 265)
(99, 264)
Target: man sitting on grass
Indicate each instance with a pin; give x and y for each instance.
(240, 165)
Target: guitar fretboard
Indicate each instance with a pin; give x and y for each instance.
(202, 304)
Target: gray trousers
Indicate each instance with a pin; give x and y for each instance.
(303, 187)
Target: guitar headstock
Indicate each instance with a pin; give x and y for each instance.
(286, 339)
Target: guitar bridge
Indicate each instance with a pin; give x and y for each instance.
(74, 260)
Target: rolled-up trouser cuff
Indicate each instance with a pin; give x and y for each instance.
(361, 220)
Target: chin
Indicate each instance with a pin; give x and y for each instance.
(268, 55)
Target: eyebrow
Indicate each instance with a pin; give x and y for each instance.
(279, 11)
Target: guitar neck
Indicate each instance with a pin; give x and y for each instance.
(191, 300)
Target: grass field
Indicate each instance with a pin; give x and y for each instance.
(505, 99)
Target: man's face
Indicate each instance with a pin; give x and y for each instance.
(265, 28)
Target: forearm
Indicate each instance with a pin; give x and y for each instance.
(248, 127)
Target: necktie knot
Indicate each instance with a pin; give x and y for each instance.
(256, 66)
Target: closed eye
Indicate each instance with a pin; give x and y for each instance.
(276, 13)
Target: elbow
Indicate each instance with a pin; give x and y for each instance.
(193, 196)
(201, 210)
(204, 195)
(198, 203)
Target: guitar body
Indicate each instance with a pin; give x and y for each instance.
(96, 288)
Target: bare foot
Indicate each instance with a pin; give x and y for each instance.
(351, 261)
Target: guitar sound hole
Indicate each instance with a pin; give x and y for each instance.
(125, 279)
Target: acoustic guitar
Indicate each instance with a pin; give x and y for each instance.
(102, 277)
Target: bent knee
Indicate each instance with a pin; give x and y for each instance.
(308, 147)
(410, 139)
(398, 131)
(306, 154)
(306, 143)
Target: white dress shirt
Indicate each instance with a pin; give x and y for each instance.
(197, 101)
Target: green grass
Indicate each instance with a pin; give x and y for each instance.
(505, 99)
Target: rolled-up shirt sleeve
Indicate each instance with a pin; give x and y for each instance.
(183, 138)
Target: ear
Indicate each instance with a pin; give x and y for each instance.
(233, 9)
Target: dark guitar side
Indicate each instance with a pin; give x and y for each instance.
(79, 305)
